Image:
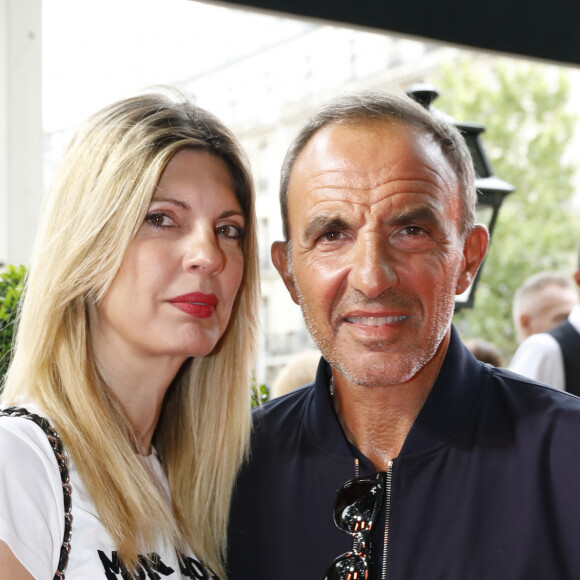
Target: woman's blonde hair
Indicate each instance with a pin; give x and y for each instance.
(92, 211)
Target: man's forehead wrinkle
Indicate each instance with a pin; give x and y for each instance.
(339, 175)
(332, 168)
(352, 176)
(442, 173)
(365, 199)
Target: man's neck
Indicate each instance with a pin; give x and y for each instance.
(378, 419)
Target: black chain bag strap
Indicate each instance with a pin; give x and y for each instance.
(62, 461)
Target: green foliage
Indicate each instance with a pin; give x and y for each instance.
(11, 280)
(260, 394)
(528, 129)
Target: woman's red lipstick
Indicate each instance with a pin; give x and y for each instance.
(196, 304)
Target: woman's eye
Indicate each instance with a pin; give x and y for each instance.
(230, 231)
(158, 220)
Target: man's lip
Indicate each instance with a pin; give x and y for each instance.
(197, 298)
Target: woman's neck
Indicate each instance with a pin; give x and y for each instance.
(138, 382)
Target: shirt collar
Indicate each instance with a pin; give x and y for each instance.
(574, 317)
(452, 399)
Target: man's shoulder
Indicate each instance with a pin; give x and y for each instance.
(529, 394)
(286, 408)
(281, 429)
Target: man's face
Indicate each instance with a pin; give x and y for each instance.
(376, 253)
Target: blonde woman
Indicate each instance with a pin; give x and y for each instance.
(135, 341)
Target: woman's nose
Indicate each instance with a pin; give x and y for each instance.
(203, 252)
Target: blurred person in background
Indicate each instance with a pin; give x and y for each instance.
(542, 302)
(552, 354)
(485, 351)
(299, 371)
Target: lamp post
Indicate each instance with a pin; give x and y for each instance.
(491, 190)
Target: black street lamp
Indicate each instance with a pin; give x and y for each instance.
(491, 190)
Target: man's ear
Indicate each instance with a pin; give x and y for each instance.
(282, 263)
(577, 277)
(474, 251)
(525, 321)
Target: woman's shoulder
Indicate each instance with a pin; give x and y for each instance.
(24, 443)
(31, 498)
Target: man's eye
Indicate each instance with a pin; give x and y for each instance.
(158, 220)
(230, 231)
(331, 236)
(413, 231)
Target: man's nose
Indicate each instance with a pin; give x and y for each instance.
(373, 269)
(203, 252)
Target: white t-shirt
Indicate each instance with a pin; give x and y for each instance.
(32, 515)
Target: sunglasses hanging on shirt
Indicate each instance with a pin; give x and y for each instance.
(356, 510)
